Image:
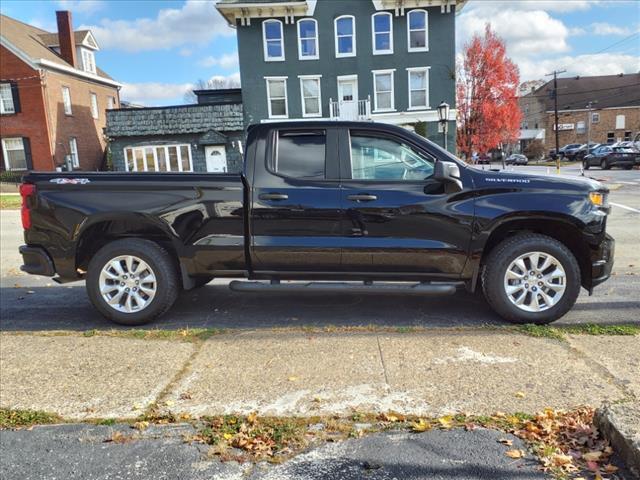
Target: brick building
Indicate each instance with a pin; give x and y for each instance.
(604, 109)
(53, 97)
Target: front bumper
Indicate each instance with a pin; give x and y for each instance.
(36, 261)
(602, 261)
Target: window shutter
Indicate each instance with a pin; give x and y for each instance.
(16, 97)
(26, 144)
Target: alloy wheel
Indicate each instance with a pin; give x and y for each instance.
(535, 281)
(127, 284)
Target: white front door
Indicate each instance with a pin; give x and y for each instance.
(216, 159)
(348, 98)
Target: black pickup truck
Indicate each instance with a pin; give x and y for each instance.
(362, 207)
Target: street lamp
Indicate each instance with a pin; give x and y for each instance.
(443, 116)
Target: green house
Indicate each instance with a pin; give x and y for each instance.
(389, 61)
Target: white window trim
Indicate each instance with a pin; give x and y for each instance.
(311, 77)
(286, 97)
(5, 154)
(353, 35)
(73, 151)
(267, 58)
(3, 109)
(426, 32)
(94, 113)
(111, 102)
(595, 117)
(316, 38)
(155, 148)
(373, 33)
(393, 90)
(64, 102)
(621, 121)
(418, 69)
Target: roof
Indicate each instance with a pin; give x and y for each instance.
(244, 10)
(33, 43)
(174, 120)
(51, 39)
(605, 91)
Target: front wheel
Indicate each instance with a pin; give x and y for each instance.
(132, 281)
(531, 278)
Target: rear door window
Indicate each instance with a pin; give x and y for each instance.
(301, 154)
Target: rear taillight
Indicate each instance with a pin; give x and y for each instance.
(27, 190)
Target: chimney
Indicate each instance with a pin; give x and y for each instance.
(65, 37)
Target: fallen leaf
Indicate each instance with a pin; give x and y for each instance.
(592, 456)
(446, 422)
(142, 425)
(169, 403)
(506, 441)
(514, 453)
(292, 379)
(520, 395)
(138, 406)
(560, 459)
(420, 426)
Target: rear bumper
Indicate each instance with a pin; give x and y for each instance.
(602, 261)
(36, 261)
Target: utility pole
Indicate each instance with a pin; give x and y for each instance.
(589, 105)
(555, 101)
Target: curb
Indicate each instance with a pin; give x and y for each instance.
(620, 425)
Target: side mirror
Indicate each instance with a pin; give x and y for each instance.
(447, 172)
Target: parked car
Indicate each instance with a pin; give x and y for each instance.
(570, 151)
(585, 150)
(606, 156)
(484, 159)
(516, 159)
(563, 150)
(428, 226)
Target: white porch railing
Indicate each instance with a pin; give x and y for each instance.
(353, 110)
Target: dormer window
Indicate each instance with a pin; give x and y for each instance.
(273, 40)
(88, 61)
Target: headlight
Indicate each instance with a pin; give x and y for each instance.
(597, 198)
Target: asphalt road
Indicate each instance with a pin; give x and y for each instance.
(161, 453)
(36, 303)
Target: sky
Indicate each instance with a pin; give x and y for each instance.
(158, 49)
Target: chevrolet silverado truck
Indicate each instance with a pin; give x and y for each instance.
(325, 207)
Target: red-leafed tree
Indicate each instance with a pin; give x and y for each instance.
(486, 95)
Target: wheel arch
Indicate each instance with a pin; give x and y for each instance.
(561, 229)
(102, 230)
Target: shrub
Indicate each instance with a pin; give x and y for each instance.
(534, 150)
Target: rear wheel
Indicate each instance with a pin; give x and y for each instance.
(132, 281)
(531, 278)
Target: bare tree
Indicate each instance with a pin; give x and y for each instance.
(214, 83)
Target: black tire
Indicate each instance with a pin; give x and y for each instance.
(497, 263)
(604, 165)
(628, 167)
(199, 282)
(167, 285)
(585, 165)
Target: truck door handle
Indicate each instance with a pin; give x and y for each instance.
(273, 196)
(362, 198)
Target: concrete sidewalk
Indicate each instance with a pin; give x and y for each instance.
(298, 373)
